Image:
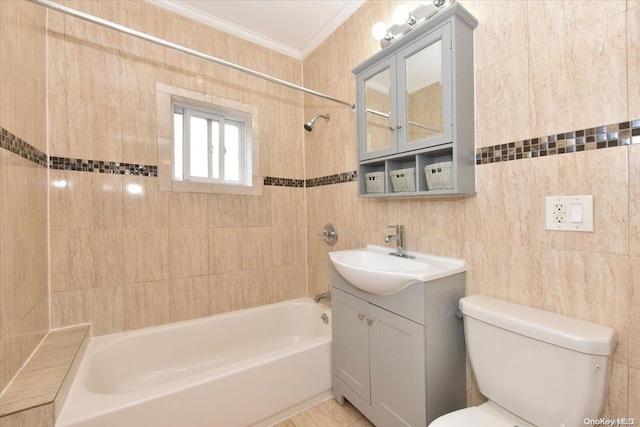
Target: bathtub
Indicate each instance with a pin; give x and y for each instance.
(251, 367)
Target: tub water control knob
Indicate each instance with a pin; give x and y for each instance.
(369, 322)
(329, 234)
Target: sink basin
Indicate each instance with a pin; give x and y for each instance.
(373, 270)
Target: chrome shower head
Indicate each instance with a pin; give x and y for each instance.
(309, 125)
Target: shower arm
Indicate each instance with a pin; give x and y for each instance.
(183, 49)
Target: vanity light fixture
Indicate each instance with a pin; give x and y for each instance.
(404, 20)
(380, 31)
(402, 15)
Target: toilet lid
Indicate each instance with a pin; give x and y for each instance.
(469, 417)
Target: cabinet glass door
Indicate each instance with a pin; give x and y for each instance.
(425, 73)
(377, 96)
(424, 93)
(378, 103)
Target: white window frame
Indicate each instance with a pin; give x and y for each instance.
(222, 116)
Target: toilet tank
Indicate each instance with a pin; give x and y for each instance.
(548, 369)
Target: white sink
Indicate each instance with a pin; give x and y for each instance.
(374, 270)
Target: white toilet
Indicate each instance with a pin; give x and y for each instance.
(537, 368)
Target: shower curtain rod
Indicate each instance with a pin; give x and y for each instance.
(161, 42)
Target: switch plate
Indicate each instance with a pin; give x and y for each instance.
(569, 213)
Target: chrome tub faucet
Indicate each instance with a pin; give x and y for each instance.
(320, 297)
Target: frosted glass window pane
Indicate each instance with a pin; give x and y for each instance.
(232, 152)
(178, 146)
(208, 146)
(198, 145)
(215, 139)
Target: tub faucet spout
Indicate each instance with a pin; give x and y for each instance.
(320, 297)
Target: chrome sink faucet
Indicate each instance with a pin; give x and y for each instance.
(398, 237)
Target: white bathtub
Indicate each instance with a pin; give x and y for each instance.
(251, 367)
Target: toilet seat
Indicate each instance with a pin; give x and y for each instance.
(470, 417)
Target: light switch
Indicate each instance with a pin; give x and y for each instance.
(569, 213)
(576, 213)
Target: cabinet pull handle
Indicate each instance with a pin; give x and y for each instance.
(360, 316)
(369, 322)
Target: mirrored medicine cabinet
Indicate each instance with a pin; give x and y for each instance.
(415, 108)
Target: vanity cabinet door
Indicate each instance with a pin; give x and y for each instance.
(397, 368)
(351, 342)
(425, 114)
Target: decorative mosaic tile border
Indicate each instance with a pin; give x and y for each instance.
(332, 179)
(12, 143)
(98, 166)
(313, 182)
(614, 135)
(283, 182)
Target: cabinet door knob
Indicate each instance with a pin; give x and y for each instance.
(399, 126)
(360, 316)
(369, 322)
(392, 128)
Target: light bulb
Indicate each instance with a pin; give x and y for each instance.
(400, 15)
(379, 30)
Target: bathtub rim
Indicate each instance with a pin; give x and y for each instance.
(103, 340)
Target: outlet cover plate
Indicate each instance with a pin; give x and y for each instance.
(569, 213)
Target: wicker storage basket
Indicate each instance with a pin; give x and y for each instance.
(439, 176)
(375, 182)
(403, 180)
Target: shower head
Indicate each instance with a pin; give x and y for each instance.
(309, 125)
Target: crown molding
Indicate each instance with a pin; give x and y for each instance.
(197, 15)
(332, 26)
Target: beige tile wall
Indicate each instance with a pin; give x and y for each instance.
(127, 253)
(24, 302)
(542, 67)
(119, 261)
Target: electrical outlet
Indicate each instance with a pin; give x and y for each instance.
(569, 213)
(559, 212)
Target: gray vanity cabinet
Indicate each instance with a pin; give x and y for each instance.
(415, 106)
(399, 359)
(381, 358)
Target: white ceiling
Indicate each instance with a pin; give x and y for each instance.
(292, 27)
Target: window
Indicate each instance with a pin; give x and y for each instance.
(211, 145)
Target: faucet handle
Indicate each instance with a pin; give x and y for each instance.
(329, 234)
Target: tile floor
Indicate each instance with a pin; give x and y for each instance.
(327, 414)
